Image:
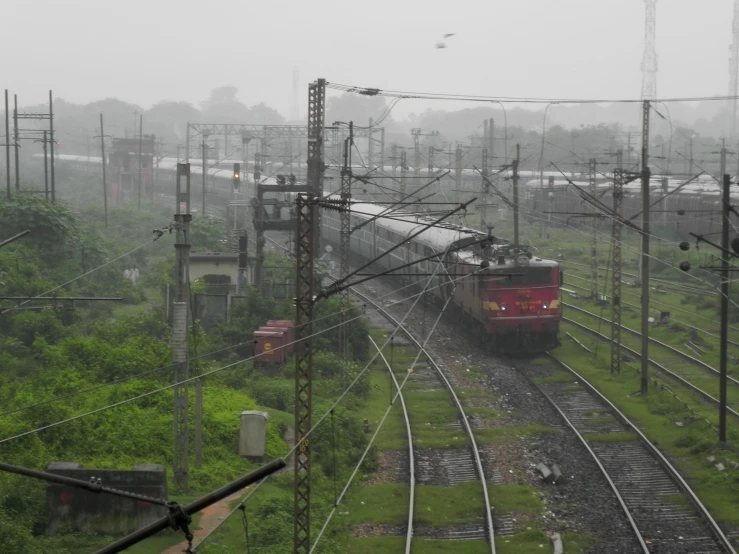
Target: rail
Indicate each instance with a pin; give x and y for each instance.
(657, 454)
(659, 366)
(463, 417)
(412, 472)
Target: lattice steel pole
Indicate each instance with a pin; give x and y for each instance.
(316, 125)
(304, 244)
(403, 173)
(306, 240)
(594, 235)
(618, 194)
(485, 192)
(345, 238)
(182, 220)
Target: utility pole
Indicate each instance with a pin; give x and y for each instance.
(403, 173)
(306, 242)
(345, 238)
(618, 191)
(105, 185)
(431, 167)
(646, 106)
(416, 151)
(649, 60)
(458, 169)
(7, 143)
(46, 172)
(206, 134)
(726, 213)
(515, 194)
(16, 142)
(180, 341)
(371, 146)
(141, 138)
(594, 235)
(491, 141)
(316, 126)
(485, 188)
(303, 367)
(52, 143)
(394, 155)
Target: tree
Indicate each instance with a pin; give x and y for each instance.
(264, 115)
(168, 120)
(222, 106)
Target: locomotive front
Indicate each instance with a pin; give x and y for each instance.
(521, 300)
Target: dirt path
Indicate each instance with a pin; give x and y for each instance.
(211, 516)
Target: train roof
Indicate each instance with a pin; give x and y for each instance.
(442, 236)
(405, 223)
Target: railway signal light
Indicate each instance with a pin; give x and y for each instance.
(237, 176)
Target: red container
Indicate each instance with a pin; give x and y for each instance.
(288, 325)
(282, 331)
(268, 347)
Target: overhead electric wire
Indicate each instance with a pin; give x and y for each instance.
(369, 91)
(211, 372)
(336, 403)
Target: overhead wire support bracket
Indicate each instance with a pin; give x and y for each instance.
(424, 226)
(181, 516)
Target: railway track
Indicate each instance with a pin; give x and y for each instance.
(684, 382)
(454, 465)
(710, 369)
(654, 310)
(665, 513)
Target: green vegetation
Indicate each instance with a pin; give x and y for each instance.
(59, 349)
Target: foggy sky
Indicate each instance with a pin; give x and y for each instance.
(147, 51)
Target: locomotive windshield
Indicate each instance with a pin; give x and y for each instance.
(530, 276)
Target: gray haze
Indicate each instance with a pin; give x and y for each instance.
(147, 51)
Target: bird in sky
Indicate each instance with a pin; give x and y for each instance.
(441, 43)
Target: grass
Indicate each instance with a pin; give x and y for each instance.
(438, 506)
(515, 498)
(556, 377)
(383, 503)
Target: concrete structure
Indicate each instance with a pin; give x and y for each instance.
(215, 268)
(253, 434)
(69, 508)
(123, 165)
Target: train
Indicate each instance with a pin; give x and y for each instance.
(505, 295)
(694, 207)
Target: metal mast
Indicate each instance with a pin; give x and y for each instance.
(345, 236)
(182, 220)
(593, 236)
(649, 60)
(303, 369)
(618, 193)
(644, 273)
(306, 240)
(316, 124)
(734, 68)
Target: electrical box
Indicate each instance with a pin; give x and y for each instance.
(253, 434)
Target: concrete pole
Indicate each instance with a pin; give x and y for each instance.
(645, 175)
